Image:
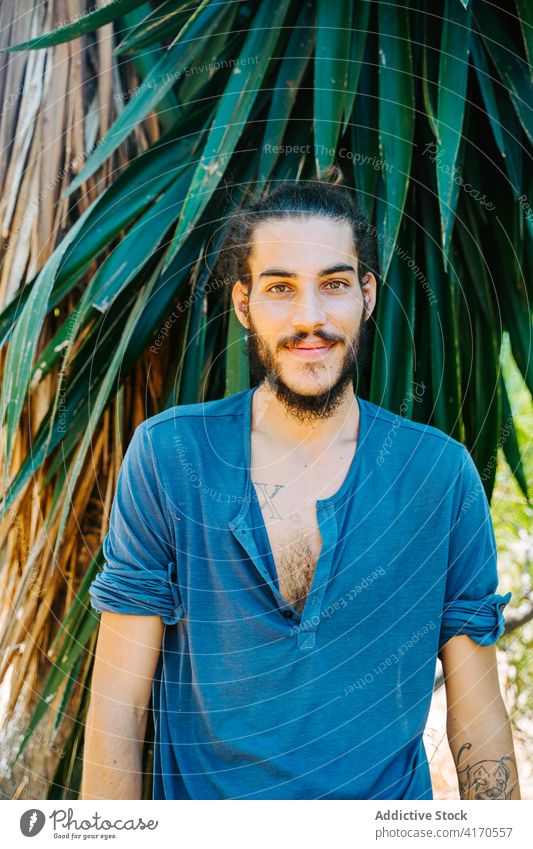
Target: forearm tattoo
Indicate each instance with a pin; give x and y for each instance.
(487, 778)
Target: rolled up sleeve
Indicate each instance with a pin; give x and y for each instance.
(139, 575)
(472, 604)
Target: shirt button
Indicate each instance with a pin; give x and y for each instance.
(502, 606)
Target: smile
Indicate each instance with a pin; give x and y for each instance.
(311, 352)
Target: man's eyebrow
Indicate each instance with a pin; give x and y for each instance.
(332, 269)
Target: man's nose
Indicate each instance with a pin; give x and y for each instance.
(308, 311)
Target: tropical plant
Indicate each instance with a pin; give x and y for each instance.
(426, 108)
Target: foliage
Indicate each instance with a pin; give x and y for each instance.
(426, 108)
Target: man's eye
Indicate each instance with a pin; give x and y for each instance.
(276, 285)
(341, 282)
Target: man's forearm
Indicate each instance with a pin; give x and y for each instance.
(112, 761)
(483, 754)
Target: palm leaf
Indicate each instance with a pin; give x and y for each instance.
(154, 26)
(525, 15)
(508, 63)
(443, 330)
(24, 343)
(365, 140)
(102, 398)
(393, 361)
(453, 72)
(230, 119)
(359, 17)
(290, 75)
(331, 76)
(87, 23)
(396, 120)
(159, 81)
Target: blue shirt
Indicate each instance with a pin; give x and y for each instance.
(250, 699)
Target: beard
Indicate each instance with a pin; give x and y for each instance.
(264, 366)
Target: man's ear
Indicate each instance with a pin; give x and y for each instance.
(369, 287)
(239, 295)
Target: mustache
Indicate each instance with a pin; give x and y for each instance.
(301, 337)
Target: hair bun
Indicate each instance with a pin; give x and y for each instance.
(333, 174)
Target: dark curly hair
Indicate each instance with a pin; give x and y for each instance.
(288, 199)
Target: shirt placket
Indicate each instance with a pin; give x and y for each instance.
(305, 629)
(243, 533)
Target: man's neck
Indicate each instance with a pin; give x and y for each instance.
(271, 417)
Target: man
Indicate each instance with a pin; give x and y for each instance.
(284, 565)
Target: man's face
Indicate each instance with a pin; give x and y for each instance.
(304, 312)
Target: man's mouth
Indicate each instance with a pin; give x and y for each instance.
(311, 350)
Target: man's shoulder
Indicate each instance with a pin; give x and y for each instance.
(219, 408)
(390, 427)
